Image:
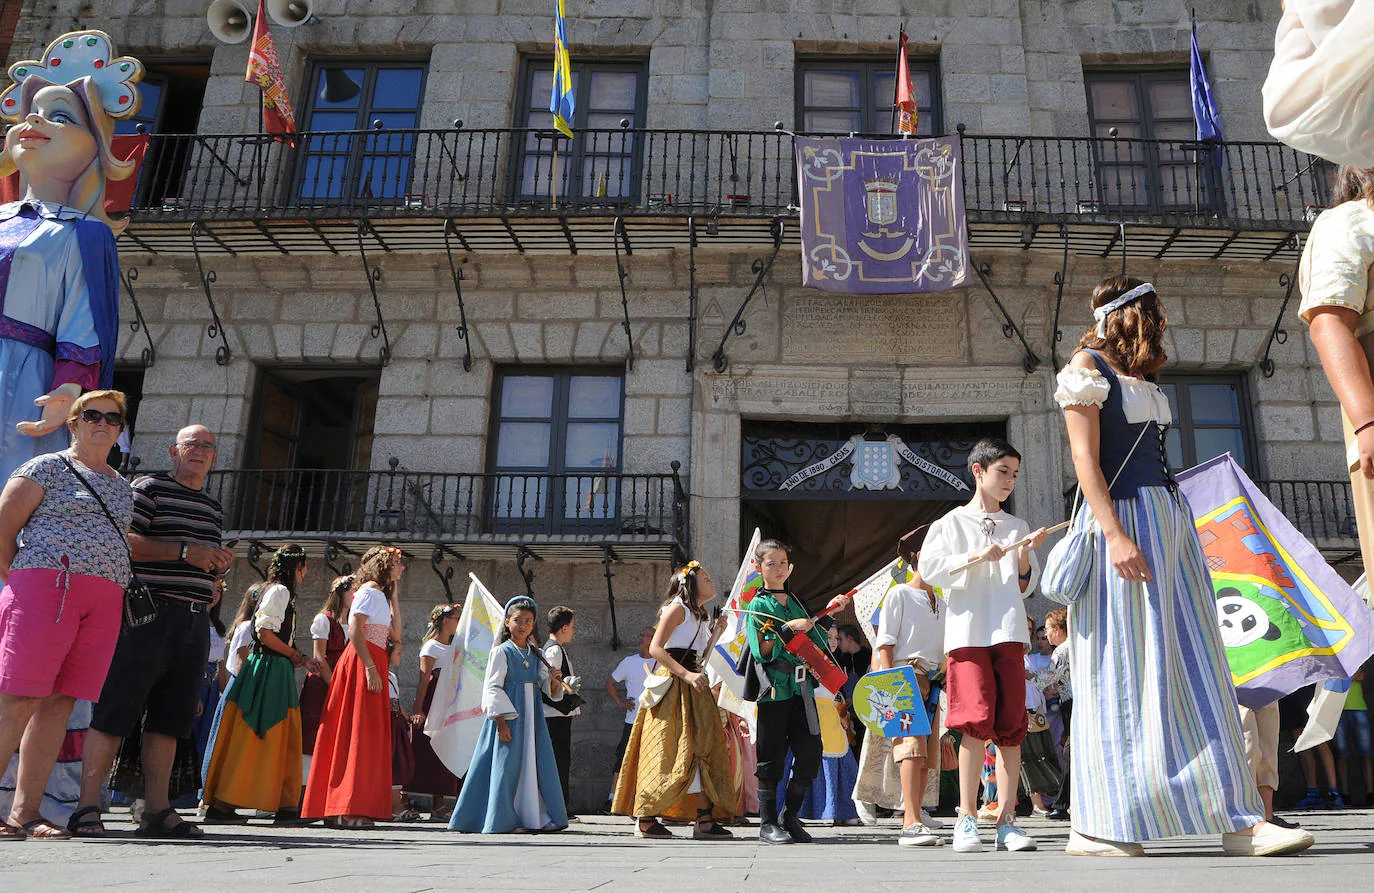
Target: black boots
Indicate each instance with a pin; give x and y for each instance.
(769, 829)
(796, 794)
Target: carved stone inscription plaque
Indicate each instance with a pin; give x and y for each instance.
(890, 328)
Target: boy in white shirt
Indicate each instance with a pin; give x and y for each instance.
(985, 633)
(911, 630)
(630, 673)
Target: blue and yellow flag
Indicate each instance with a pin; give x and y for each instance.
(561, 102)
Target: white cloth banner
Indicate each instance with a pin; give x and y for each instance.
(455, 717)
(729, 648)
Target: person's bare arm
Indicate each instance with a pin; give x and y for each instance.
(1332, 330)
(422, 687)
(207, 558)
(18, 501)
(357, 637)
(318, 649)
(668, 620)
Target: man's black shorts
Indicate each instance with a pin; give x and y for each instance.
(160, 668)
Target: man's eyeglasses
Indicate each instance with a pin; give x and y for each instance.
(197, 446)
(113, 419)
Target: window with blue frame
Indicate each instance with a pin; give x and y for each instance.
(358, 122)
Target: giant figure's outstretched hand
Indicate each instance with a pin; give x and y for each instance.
(56, 404)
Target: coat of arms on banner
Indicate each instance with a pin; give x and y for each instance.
(882, 216)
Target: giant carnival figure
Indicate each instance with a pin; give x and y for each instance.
(59, 275)
(59, 269)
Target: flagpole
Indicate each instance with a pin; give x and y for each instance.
(553, 187)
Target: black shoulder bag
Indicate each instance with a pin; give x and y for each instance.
(140, 608)
(570, 700)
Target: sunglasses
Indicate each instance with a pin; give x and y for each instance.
(113, 419)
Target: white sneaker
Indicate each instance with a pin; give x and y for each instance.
(918, 835)
(867, 815)
(966, 839)
(1013, 839)
(931, 822)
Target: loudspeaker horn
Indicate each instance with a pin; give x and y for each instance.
(291, 13)
(230, 21)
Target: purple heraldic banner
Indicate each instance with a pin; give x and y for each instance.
(882, 216)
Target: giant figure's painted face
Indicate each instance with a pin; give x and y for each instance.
(54, 142)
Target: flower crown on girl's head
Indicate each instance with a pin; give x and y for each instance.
(687, 569)
(76, 55)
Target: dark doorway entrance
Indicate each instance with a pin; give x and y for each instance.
(842, 494)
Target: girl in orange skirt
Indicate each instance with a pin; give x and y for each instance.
(350, 773)
(256, 763)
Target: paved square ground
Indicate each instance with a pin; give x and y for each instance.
(600, 853)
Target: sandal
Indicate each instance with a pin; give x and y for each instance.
(406, 815)
(11, 832)
(354, 823)
(655, 830)
(42, 829)
(86, 822)
(707, 828)
(155, 826)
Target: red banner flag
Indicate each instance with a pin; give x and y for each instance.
(265, 71)
(904, 100)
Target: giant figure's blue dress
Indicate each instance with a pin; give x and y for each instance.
(514, 784)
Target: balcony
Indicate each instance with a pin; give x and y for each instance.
(493, 190)
(474, 516)
(1323, 511)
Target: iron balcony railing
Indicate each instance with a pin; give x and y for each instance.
(1323, 511)
(508, 172)
(446, 507)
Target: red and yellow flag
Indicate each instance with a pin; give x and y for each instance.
(265, 71)
(904, 100)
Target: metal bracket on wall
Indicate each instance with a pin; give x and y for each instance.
(255, 550)
(607, 556)
(617, 235)
(1009, 328)
(1278, 334)
(207, 278)
(332, 550)
(441, 554)
(522, 555)
(1060, 280)
(719, 361)
(1118, 239)
(691, 293)
(462, 327)
(129, 276)
(374, 275)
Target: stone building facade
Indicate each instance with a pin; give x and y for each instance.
(845, 364)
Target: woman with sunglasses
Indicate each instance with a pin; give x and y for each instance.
(431, 776)
(63, 598)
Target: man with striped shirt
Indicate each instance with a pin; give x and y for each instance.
(156, 674)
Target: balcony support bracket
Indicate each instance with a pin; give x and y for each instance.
(1278, 334)
(332, 550)
(1060, 280)
(617, 235)
(437, 558)
(522, 556)
(374, 275)
(129, 276)
(207, 278)
(719, 361)
(691, 293)
(1009, 328)
(255, 550)
(607, 556)
(462, 327)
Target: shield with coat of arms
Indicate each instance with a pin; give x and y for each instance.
(874, 466)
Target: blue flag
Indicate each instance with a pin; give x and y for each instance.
(561, 102)
(1204, 104)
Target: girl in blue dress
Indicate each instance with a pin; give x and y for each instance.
(512, 782)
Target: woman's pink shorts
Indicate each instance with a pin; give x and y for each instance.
(51, 647)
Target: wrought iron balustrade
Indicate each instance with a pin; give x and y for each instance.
(511, 172)
(445, 507)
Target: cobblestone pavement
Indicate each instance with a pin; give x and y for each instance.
(600, 853)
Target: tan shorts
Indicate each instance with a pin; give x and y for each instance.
(915, 747)
(1262, 743)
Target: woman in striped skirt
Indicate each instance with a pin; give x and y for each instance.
(1157, 740)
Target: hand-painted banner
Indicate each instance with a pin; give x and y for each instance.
(729, 648)
(882, 216)
(1287, 619)
(455, 717)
